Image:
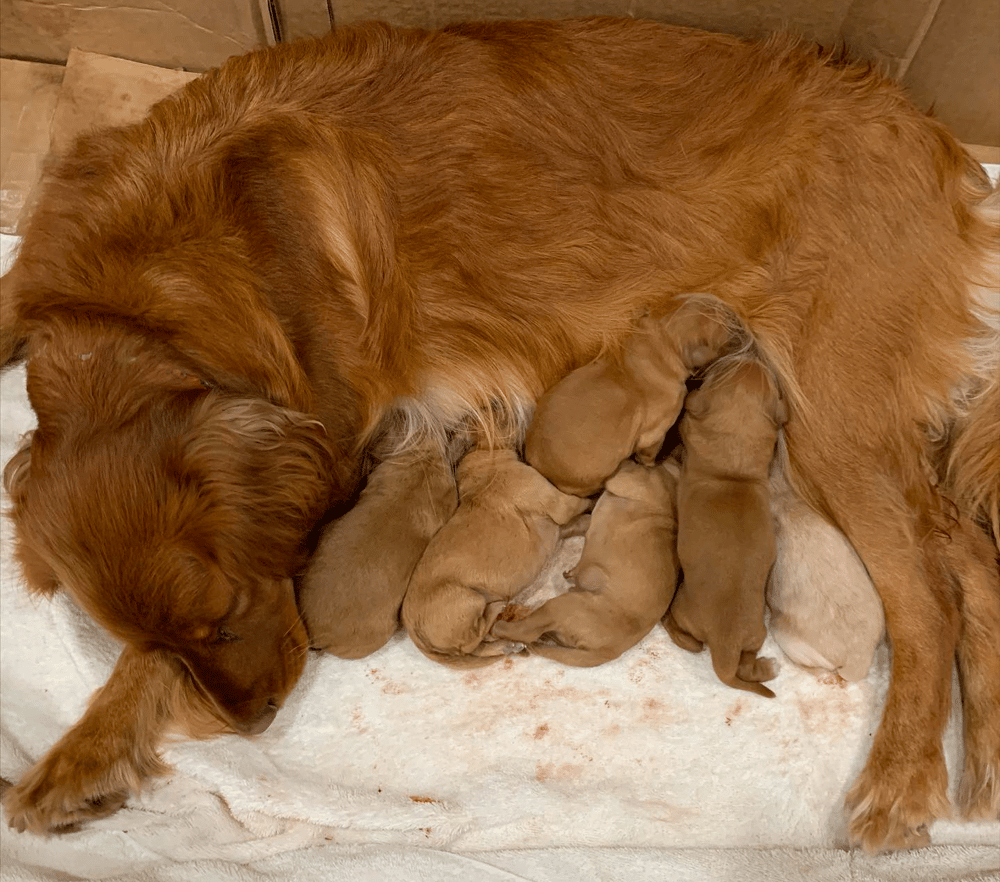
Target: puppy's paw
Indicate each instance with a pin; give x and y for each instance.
(491, 648)
(892, 805)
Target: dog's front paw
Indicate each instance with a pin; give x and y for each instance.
(75, 783)
(893, 804)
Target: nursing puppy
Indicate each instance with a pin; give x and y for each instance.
(624, 580)
(825, 612)
(508, 522)
(619, 405)
(725, 537)
(353, 588)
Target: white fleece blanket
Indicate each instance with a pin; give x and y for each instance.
(395, 768)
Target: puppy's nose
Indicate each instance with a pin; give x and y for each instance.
(264, 720)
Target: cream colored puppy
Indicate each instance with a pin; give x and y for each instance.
(508, 522)
(624, 580)
(725, 534)
(352, 591)
(601, 414)
(825, 612)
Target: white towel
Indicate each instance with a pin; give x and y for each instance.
(393, 767)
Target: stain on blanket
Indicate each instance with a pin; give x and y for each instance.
(734, 712)
(832, 710)
(541, 731)
(557, 771)
(423, 799)
(388, 687)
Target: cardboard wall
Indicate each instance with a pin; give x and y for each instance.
(946, 52)
(189, 34)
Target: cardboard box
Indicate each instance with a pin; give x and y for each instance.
(190, 34)
(46, 106)
(28, 99)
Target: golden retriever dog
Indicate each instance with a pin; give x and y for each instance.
(508, 522)
(624, 580)
(421, 232)
(352, 590)
(725, 536)
(623, 404)
(825, 613)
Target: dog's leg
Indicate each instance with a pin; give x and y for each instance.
(903, 786)
(107, 756)
(974, 563)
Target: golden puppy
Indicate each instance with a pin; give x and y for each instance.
(825, 612)
(506, 527)
(623, 582)
(725, 537)
(351, 593)
(599, 415)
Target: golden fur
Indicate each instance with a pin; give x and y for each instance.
(624, 580)
(725, 536)
(604, 412)
(508, 522)
(425, 231)
(351, 592)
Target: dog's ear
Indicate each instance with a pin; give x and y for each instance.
(17, 481)
(18, 470)
(272, 466)
(13, 339)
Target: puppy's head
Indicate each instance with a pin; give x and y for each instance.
(583, 428)
(173, 515)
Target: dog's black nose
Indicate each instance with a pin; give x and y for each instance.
(264, 720)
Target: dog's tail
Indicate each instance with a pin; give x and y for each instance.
(972, 466)
(974, 461)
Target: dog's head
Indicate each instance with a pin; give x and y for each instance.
(173, 514)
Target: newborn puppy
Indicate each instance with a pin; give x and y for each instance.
(624, 580)
(351, 593)
(507, 525)
(825, 612)
(599, 415)
(725, 536)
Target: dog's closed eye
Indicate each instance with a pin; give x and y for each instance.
(224, 635)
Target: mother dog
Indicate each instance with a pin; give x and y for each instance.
(411, 233)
